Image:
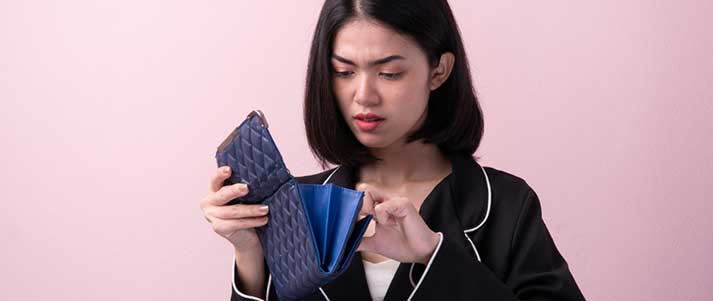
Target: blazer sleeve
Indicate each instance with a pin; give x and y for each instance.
(237, 294)
(537, 269)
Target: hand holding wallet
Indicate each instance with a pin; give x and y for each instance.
(312, 232)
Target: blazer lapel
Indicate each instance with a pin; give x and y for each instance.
(470, 191)
(441, 214)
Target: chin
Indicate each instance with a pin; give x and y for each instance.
(374, 141)
(369, 141)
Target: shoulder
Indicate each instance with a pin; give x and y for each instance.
(512, 196)
(490, 195)
(506, 182)
(316, 178)
(509, 191)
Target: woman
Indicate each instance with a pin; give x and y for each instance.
(389, 99)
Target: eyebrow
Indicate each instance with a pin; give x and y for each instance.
(372, 63)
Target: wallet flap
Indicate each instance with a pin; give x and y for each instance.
(254, 158)
(289, 245)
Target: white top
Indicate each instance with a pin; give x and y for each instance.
(378, 277)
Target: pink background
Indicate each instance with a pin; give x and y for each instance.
(111, 111)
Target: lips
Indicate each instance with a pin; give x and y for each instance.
(368, 122)
(368, 117)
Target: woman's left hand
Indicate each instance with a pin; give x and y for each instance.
(401, 234)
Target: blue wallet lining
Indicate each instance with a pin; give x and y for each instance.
(329, 210)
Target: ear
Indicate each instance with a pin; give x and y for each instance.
(440, 74)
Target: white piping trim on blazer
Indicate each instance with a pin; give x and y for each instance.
(465, 233)
(487, 213)
(235, 288)
(410, 275)
(325, 182)
(477, 255)
(330, 175)
(323, 293)
(428, 266)
(490, 197)
(267, 291)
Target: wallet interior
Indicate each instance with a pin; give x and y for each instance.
(330, 211)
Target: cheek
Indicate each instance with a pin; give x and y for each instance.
(409, 94)
(342, 96)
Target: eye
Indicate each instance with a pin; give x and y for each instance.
(392, 76)
(342, 73)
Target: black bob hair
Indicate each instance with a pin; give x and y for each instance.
(454, 119)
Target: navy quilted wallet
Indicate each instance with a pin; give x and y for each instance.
(312, 232)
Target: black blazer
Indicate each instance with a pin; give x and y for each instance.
(494, 245)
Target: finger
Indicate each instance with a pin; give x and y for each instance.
(397, 207)
(226, 227)
(372, 196)
(221, 174)
(367, 205)
(388, 212)
(380, 215)
(237, 211)
(225, 194)
(374, 192)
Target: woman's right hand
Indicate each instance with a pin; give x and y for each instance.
(234, 222)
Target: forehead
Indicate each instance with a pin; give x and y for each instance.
(363, 40)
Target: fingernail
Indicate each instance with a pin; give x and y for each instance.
(264, 209)
(226, 169)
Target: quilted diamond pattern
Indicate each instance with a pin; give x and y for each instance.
(288, 246)
(255, 160)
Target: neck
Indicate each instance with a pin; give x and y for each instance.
(412, 162)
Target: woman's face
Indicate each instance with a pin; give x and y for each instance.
(382, 82)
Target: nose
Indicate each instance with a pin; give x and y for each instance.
(366, 93)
